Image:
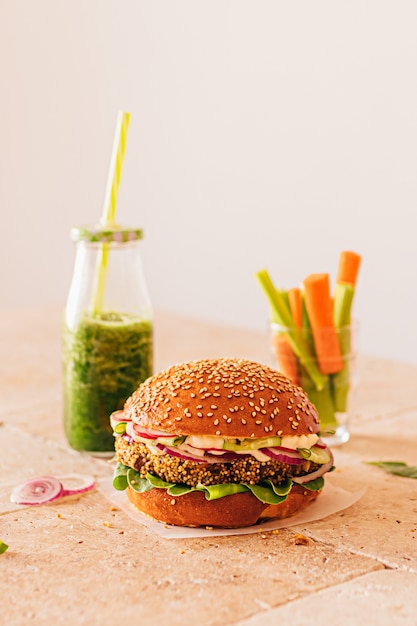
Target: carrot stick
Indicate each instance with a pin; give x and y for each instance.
(319, 310)
(296, 306)
(348, 269)
(280, 314)
(285, 357)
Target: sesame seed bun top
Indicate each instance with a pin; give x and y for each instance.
(224, 397)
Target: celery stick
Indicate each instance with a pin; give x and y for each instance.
(304, 315)
(342, 316)
(343, 296)
(323, 402)
(280, 314)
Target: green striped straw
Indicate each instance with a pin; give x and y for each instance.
(109, 210)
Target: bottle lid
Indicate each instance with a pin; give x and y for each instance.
(102, 233)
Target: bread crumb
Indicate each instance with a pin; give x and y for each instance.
(107, 524)
(301, 540)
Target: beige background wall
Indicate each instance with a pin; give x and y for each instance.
(264, 134)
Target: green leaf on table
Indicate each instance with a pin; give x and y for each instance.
(396, 467)
(3, 546)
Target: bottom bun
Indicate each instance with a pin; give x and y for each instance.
(235, 511)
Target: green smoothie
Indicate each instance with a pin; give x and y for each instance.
(106, 357)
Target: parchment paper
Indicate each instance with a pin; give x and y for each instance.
(331, 500)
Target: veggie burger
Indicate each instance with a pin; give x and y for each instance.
(222, 442)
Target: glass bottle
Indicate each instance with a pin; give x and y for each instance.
(108, 334)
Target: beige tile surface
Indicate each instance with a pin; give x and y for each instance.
(382, 598)
(81, 561)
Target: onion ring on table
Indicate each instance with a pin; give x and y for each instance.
(45, 489)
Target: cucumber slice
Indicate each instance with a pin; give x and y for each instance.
(251, 444)
(316, 455)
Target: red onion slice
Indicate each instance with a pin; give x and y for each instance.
(76, 484)
(207, 458)
(49, 488)
(150, 434)
(119, 416)
(226, 456)
(293, 459)
(37, 491)
(319, 472)
(185, 457)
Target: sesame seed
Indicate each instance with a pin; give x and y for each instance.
(217, 432)
(210, 414)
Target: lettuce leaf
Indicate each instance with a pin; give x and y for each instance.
(268, 493)
(214, 492)
(120, 477)
(396, 467)
(136, 481)
(265, 491)
(315, 485)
